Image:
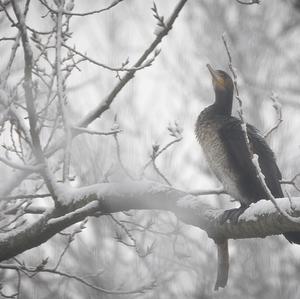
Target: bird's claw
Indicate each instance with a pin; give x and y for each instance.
(232, 214)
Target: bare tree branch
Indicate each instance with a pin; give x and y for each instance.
(60, 92)
(105, 104)
(29, 97)
(97, 112)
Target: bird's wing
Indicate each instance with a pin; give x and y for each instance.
(234, 142)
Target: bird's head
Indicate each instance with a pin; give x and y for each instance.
(223, 87)
(222, 82)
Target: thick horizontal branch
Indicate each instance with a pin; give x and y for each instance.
(259, 220)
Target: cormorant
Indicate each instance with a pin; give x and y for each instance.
(223, 142)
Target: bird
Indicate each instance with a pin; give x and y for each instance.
(225, 148)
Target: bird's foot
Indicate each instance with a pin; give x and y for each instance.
(232, 215)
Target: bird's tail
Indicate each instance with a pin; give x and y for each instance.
(293, 237)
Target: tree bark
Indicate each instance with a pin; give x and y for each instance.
(258, 221)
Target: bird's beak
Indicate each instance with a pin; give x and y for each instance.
(216, 77)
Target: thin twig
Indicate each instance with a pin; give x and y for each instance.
(21, 196)
(159, 152)
(70, 240)
(292, 182)
(60, 92)
(118, 149)
(157, 16)
(13, 52)
(116, 69)
(69, 13)
(7, 38)
(248, 3)
(38, 31)
(36, 270)
(208, 192)
(278, 109)
(176, 132)
(240, 103)
(128, 233)
(92, 132)
(160, 173)
(31, 168)
(19, 284)
(4, 8)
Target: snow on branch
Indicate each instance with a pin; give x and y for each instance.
(258, 221)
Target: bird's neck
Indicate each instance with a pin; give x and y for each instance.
(223, 102)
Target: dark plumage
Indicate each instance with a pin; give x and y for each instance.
(225, 148)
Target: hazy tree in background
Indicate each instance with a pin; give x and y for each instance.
(91, 95)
